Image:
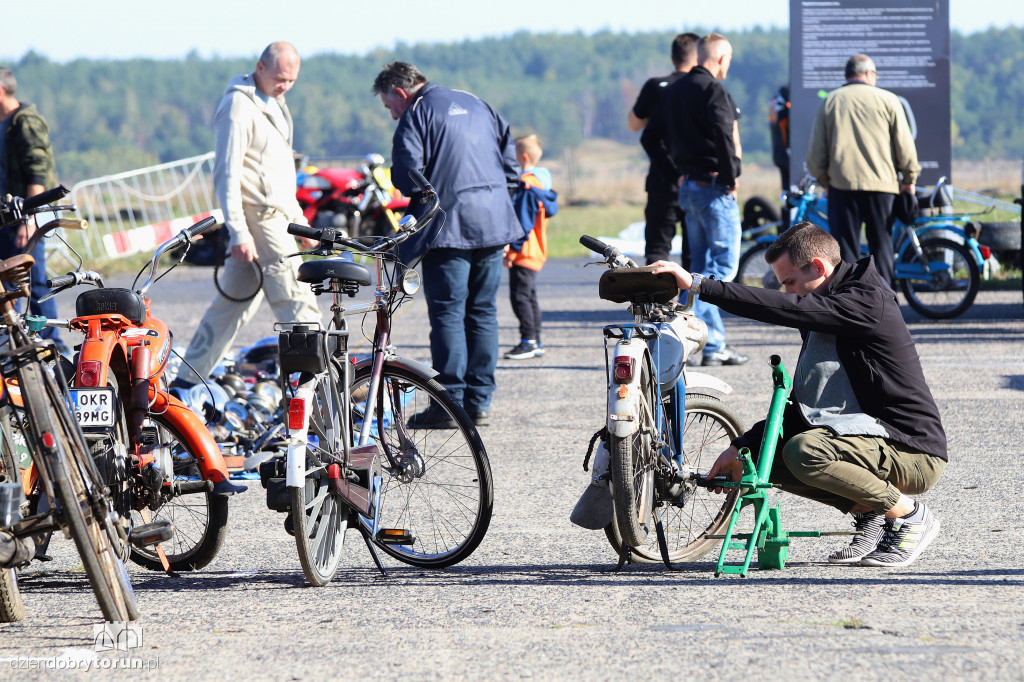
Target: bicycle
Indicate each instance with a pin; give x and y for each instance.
(422, 496)
(937, 259)
(34, 404)
(663, 424)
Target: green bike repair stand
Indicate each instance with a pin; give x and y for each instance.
(767, 536)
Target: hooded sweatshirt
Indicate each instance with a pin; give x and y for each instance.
(254, 164)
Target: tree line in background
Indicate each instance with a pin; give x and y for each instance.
(111, 116)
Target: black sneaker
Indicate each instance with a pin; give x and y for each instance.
(481, 418)
(726, 356)
(525, 349)
(433, 417)
(869, 525)
(904, 540)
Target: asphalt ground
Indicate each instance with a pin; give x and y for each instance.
(538, 598)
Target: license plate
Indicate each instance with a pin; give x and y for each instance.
(93, 406)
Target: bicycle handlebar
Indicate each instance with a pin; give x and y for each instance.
(49, 196)
(408, 226)
(611, 254)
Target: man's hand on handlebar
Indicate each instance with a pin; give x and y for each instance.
(727, 464)
(683, 278)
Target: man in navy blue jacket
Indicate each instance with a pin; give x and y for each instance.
(466, 150)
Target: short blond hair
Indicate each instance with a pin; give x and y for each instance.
(529, 145)
(712, 46)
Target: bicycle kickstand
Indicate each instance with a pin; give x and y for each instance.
(662, 542)
(373, 550)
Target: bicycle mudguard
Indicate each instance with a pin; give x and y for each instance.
(699, 380)
(624, 400)
(295, 471)
(403, 362)
(191, 428)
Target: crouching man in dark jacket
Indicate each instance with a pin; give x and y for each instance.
(861, 431)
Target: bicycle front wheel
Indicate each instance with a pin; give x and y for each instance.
(943, 283)
(85, 511)
(633, 461)
(319, 515)
(442, 491)
(754, 271)
(200, 519)
(709, 426)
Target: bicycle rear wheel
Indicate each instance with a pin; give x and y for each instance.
(84, 510)
(709, 427)
(442, 493)
(11, 606)
(319, 515)
(633, 462)
(950, 284)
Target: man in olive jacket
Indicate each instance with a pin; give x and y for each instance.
(27, 169)
(859, 142)
(861, 431)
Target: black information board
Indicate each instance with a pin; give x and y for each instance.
(910, 45)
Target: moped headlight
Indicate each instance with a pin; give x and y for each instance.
(410, 282)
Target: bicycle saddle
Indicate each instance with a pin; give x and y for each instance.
(14, 267)
(316, 271)
(111, 301)
(637, 285)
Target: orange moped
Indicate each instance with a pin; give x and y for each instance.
(157, 455)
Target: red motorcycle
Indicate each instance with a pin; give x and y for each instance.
(357, 202)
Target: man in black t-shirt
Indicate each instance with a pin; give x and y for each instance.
(662, 212)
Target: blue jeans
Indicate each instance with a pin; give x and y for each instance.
(461, 289)
(713, 230)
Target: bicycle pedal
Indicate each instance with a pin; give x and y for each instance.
(151, 534)
(395, 536)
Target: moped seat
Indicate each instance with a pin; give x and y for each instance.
(637, 285)
(316, 271)
(111, 301)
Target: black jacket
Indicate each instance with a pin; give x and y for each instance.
(691, 132)
(873, 342)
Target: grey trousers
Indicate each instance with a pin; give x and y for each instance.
(289, 299)
(842, 471)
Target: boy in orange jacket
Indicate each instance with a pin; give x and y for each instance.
(535, 202)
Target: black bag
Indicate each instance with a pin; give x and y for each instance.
(905, 207)
(209, 250)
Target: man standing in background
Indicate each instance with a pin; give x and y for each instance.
(859, 142)
(26, 169)
(662, 212)
(701, 150)
(466, 150)
(254, 179)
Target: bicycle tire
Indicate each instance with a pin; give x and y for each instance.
(85, 511)
(12, 608)
(103, 447)
(754, 271)
(633, 463)
(319, 516)
(446, 498)
(200, 519)
(953, 287)
(709, 427)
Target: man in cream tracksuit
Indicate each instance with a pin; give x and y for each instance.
(254, 179)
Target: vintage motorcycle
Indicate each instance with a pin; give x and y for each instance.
(354, 201)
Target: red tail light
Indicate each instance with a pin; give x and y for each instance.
(986, 252)
(89, 373)
(623, 369)
(296, 414)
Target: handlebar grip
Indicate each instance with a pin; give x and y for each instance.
(420, 180)
(60, 281)
(44, 198)
(202, 226)
(595, 245)
(304, 231)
